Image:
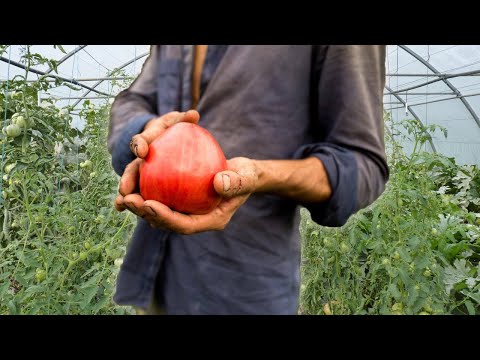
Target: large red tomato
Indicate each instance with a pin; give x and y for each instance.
(179, 169)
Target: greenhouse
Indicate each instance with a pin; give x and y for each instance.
(414, 251)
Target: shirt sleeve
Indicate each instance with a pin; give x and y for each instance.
(131, 110)
(348, 128)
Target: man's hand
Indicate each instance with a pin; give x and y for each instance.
(139, 146)
(155, 127)
(235, 186)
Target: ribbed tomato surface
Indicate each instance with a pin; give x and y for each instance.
(179, 169)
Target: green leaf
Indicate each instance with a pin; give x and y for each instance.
(35, 289)
(104, 301)
(470, 308)
(393, 289)
(413, 242)
(422, 262)
(4, 288)
(12, 308)
(89, 293)
(404, 254)
(60, 47)
(475, 296)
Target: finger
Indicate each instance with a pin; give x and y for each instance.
(154, 128)
(229, 183)
(129, 179)
(139, 146)
(134, 203)
(170, 119)
(182, 223)
(118, 203)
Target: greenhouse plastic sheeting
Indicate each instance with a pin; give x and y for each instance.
(453, 102)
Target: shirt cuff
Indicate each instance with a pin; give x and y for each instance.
(341, 168)
(121, 154)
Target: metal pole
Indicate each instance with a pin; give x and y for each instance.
(80, 97)
(87, 79)
(35, 71)
(444, 79)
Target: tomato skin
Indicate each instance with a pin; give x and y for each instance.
(179, 169)
(13, 130)
(40, 275)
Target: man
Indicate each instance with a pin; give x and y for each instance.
(301, 125)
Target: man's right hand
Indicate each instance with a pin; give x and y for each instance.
(139, 146)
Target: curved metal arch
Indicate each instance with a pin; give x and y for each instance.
(66, 57)
(412, 112)
(448, 83)
(120, 67)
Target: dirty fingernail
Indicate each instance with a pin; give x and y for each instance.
(150, 211)
(226, 182)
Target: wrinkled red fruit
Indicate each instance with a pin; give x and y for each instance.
(179, 169)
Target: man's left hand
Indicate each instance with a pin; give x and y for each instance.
(235, 185)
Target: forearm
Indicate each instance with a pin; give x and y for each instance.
(303, 180)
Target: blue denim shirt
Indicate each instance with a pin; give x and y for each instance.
(262, 102)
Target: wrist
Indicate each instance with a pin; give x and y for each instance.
(262, 173)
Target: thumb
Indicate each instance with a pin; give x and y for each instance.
(229, 183)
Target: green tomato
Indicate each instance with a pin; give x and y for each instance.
(40, 275)
(93, 174)
(20, 121)
(427, 273)
(13, 130)
(74, 255)
(87, 164)
(24, 222)
(400, 202)
(17, 94)
(9, 167)
(30, 122)
(434, 231)
(327, 242)
(100, 218)
(397, 312)
(4, 194)
(38, 218)
(396, 255)
(423, 313)
(14, 224)
(118, 262)
(397, 307)
(385, 262)
(428, 308)
(63, 113)
(65, 180)
(344, 247)
(71, 229)
(417, 287)
(87, 245)
(83, 255)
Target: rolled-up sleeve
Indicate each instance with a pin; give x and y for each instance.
(347, 112)
(131, 110)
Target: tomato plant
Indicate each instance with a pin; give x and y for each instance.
(414, 251)
(53, 253)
